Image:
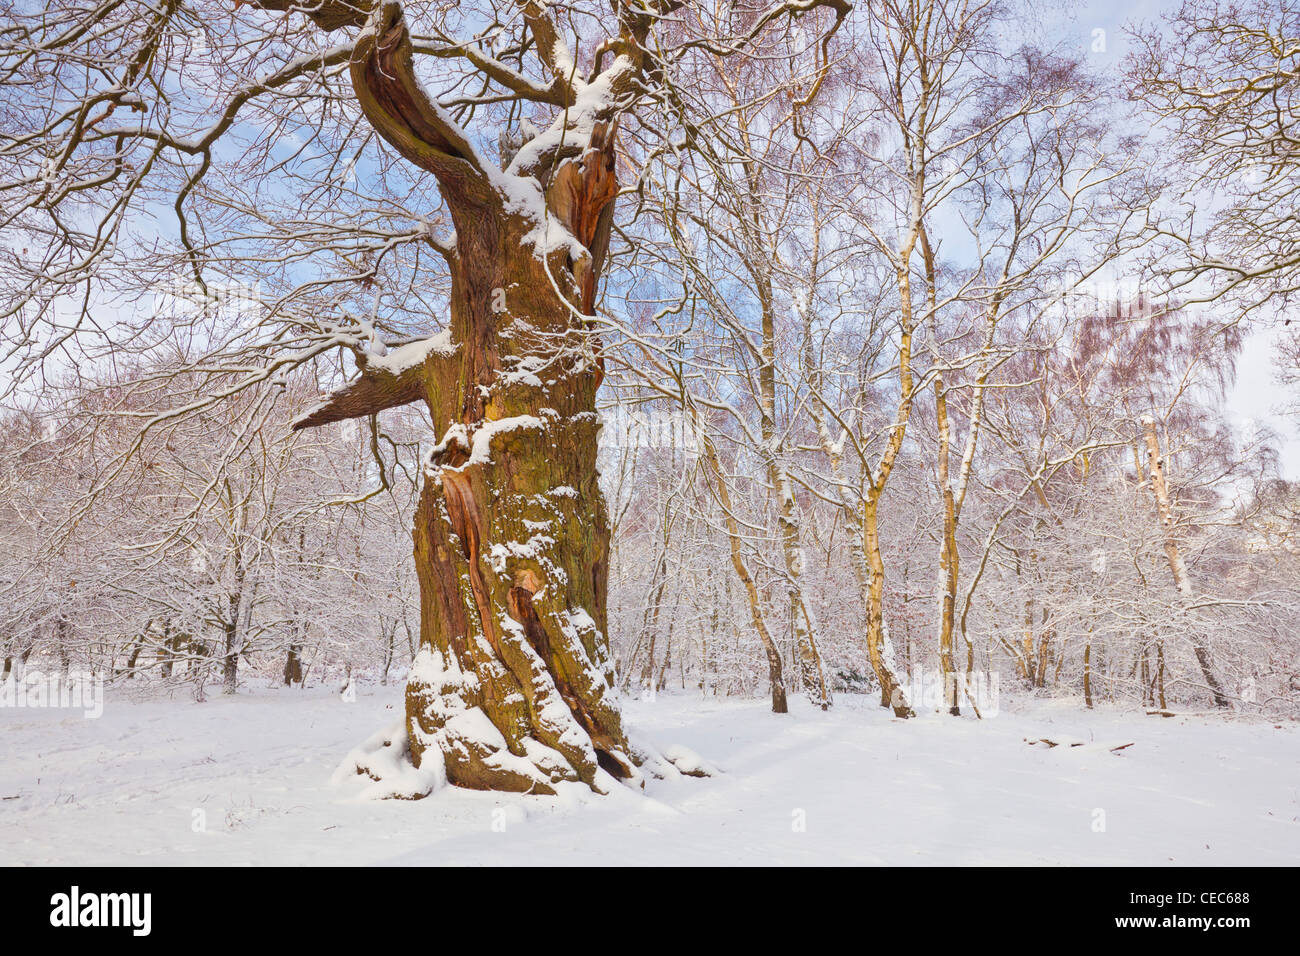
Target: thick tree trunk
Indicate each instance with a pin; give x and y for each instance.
(293, 665)
(511, 538)
(512, 687)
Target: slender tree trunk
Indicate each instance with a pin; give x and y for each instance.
(230, 659)
(1160, 672)
(775, 669)
(390, 646)
(61, 632)
(1177, 566)
(865, 557)
(172, 644)
(1044, 649)
(1028, 642)
(1087, 672)
(879, 651)
(948, 557)
(133, 657)
(811, 669)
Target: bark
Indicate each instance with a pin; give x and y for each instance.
(1177, 566)
(811, 669)
(133, 657)
(390, 645)
(230, 659)
(234, 644)
(172, 644)
(864, 548)
(650, 615)
(878, 651)
(61, 633)
(948, 556)
(775, 669)
(293, 665)
(1087, 674)
(512, 687)
(953, 499)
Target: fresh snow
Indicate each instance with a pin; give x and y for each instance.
(399, 359)
(484, 434)
(868, 788)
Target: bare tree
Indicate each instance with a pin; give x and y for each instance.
(511, 537)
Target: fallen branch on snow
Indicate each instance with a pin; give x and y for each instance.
(1071, 742)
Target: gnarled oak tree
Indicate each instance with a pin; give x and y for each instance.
(512, 688)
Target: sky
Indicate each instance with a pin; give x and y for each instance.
(1256, 396)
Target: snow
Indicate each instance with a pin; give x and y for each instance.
(484, 434)
(867, 788)
(398, 360)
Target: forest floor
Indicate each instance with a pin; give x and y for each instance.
(246, 780)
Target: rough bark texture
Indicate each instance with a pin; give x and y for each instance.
(511, 537)
(512, 687)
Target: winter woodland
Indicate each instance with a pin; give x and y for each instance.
(536, 359)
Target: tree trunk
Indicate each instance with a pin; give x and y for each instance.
(172, 644)
(61, 632)
(864, 548)
(389, 635)
(811, 670)
(511, 539)
(1177, 566)
(878, 649)
(775, 669)
(513, 686)
(230, 659)
(1087, 674)
(133, 658)
(293, 665)
(949, 559)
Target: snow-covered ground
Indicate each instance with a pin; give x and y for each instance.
(246, 780)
